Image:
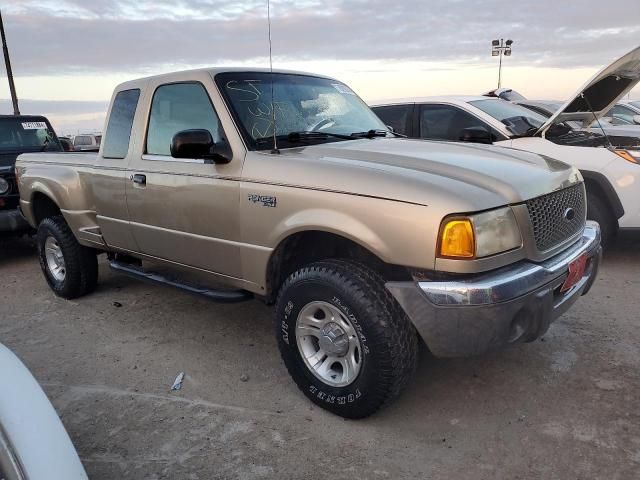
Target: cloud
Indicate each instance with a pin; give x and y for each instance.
(88, 36)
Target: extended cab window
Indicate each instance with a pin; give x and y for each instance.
(177, 107)
(445, 122)
(116, 144)
(396, 116)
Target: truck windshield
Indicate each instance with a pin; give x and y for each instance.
(518, 119)
(302, 104)
(20, 134)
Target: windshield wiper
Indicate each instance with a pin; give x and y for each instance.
(297, 136)
(370, 134)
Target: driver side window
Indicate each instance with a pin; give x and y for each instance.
(446, 122)
(177, 107)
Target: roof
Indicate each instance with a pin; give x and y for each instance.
(25, 117)
(213, 71)
(440, 98)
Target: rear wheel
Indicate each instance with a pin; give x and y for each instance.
(71, 270)
(599, 211)
(344, 340)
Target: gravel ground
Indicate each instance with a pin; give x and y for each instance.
(565, 407)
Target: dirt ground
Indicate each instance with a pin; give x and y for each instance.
(565, 407)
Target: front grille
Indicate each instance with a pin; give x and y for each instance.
(551, 217)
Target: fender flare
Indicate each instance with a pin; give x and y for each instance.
(607, 189)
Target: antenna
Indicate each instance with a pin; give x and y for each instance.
(7, 62)
(273, 105)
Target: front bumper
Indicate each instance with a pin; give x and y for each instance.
(513, 304)
(12, 221)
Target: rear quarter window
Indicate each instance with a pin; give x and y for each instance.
(118, 135)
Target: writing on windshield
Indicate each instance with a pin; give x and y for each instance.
(299, 103)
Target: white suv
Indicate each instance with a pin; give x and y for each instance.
(612, 175)
(87, 142)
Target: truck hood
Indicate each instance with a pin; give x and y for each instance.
(600, 93)
(422, 172)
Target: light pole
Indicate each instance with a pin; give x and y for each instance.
(499, 48)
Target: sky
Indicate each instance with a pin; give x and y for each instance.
(68, 55)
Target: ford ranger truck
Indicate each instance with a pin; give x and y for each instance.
(285, 186)
(19, 134)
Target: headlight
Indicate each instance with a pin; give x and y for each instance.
(4, 186)
(480, 235)
(632, 156)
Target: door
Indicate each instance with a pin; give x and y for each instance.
(185, 210)
(109, 177)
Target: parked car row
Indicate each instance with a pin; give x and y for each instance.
(608, 161)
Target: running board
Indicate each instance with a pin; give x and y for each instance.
(220, 296)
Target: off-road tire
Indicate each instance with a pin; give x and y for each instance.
(598, 210)
(389, 340)
(81, 276)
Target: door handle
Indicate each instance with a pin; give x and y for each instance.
(139, 179)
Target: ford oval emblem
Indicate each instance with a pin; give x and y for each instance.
(569, 214)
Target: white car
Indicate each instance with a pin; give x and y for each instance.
(33, 443)
(612, 176)
(620, 132)
(626, 110)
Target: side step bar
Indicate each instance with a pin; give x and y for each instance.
(220, 296)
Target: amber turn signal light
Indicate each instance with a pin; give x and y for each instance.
(628, 156)
(457, 239)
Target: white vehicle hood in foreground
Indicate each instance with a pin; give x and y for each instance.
(33, 441)
(600, 93)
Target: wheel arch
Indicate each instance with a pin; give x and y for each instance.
(43, 206)
(598, 184)
(307, 246)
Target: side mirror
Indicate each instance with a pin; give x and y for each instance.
(636, 119)
(198, 144)
(476, 135)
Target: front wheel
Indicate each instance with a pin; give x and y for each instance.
(71, 270)
(344, 340)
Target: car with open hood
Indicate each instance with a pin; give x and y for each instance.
(285, 186)
(611, 174)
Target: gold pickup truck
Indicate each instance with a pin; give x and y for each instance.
(285, 186)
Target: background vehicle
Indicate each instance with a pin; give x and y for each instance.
(620, 132)
(33, 442)
(627, 111)
(611, 176)
(363, 241)
(66, 143)
(19, 134)
(87, 142)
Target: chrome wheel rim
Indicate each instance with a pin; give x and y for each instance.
(329, 344)
(55, 259)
